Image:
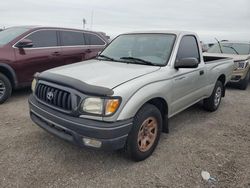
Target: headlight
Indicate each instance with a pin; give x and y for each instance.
(241, 64)
(33, 85)
(92, 106)
(100, 106)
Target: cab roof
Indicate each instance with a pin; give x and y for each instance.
(176, 32)
(235, 42)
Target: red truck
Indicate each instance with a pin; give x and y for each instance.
(26, 50)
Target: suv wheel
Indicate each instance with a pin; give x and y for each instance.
(213, 102)
(145, 133)
(5, 88)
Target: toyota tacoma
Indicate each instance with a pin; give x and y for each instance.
(124, 98)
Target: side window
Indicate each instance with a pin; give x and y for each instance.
(71, 38)
(93, 39)
(43, 38)
(188, 48)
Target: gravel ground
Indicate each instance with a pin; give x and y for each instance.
(217, 142)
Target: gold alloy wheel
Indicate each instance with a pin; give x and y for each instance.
(147, 134)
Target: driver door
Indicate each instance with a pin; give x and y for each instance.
(187, 82)
(44, 54)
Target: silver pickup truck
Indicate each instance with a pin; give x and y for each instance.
(124, 97)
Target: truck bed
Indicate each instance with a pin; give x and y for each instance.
(213, 59)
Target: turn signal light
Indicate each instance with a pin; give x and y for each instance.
(111, 106)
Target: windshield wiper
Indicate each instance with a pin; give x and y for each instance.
(106, 57)
(138, 60)
(232, 49)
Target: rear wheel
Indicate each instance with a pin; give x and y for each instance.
(145, 133)
(244, 83)
(5, 88)
(213, 102)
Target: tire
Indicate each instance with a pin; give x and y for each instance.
(139, 145)
(244, 83)
(213, 102)
(5, 88)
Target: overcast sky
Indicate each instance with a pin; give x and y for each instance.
(223, 19)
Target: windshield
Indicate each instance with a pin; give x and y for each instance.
(150, 49)
(9, 34)
(230, 48)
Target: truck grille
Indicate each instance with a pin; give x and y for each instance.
(54, 96)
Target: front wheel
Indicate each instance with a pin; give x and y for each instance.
(213, 102)
(145, 133)
(5, 88)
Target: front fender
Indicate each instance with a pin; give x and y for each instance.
(143, 95)
(10, 71)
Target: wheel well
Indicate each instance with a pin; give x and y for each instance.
(222, 78)
(8, 74)
(162, 105)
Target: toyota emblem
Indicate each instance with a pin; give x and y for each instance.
(50, 95)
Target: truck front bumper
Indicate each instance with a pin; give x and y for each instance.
(238, 75)
(82, 132)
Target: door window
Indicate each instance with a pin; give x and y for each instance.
(188, 48)
(43, 38)
(92, 39)
(70, 38)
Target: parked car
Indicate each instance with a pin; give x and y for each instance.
(204, 46)
(124, 97)
(26, 50)
(240, 52)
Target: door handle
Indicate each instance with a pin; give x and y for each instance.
(55, 54)
(88, 50)
(201, 72)
(180, 78)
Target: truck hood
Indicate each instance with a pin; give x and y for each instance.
(104, 73)
(234, 56)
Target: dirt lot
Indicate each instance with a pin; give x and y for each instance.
(217, 142)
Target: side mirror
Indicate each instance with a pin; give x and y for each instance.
(187, 63)
(25, 43)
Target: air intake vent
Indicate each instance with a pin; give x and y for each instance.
(53, 96)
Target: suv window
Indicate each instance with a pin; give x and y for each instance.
(230, 48)
(188, 48)
(71, 38)
(10, 34)
(43, 38)
(92, 39)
